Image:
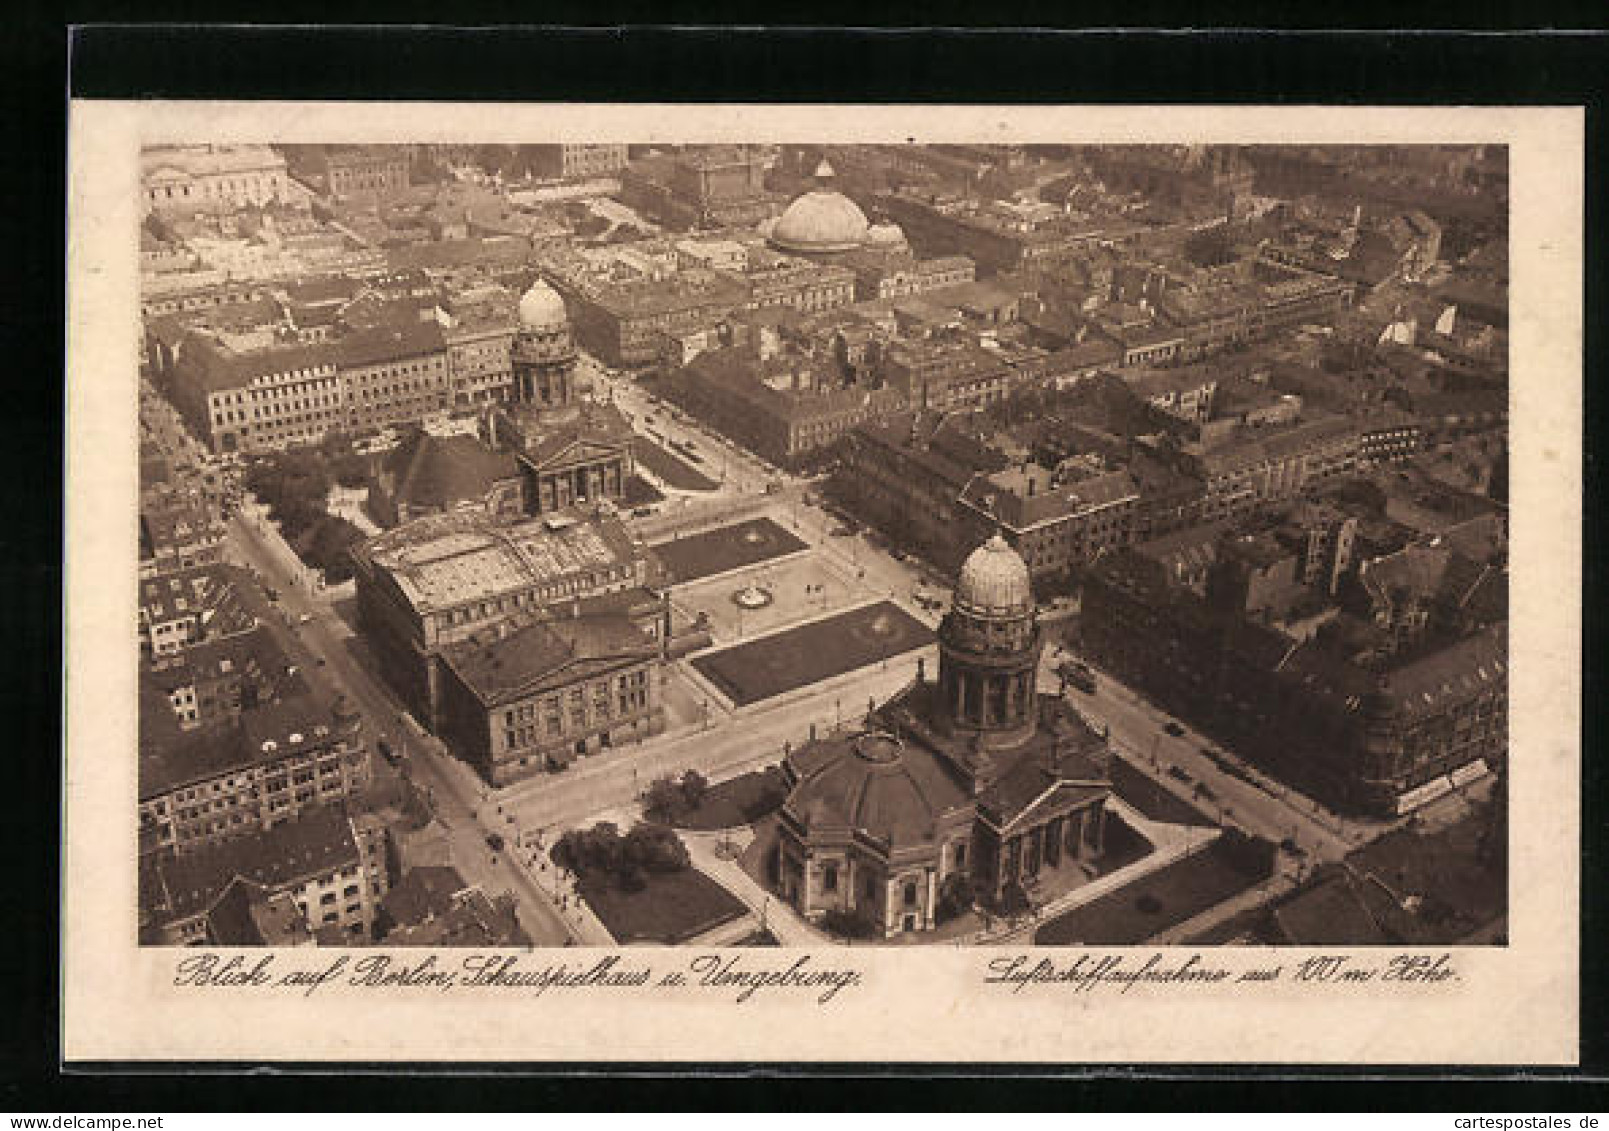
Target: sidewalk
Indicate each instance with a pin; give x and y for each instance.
(780, 919)
(1267, 891)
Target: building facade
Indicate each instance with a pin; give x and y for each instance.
(195, 178)
(302, 880)
(548, 692)
(438, 581)
(275, 762)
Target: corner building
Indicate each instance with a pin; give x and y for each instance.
(975, 782)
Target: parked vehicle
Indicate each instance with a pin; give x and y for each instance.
(1078, 675)
(1174, 729)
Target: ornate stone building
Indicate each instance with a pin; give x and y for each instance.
(975, 786)
(571, 450)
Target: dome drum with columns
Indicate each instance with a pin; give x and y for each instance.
(543, 355)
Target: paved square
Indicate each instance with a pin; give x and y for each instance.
(725, 548)
(763, 598)
(810, 653)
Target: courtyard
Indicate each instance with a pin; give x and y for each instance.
(798, 657)
(765, 597)
(726, 548)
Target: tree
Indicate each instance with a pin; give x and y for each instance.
(327, 547)
(848, 924)
(664, 799)
(654, 848)
(694, 786)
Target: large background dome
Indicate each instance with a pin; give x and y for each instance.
(541, 308)
(821, 220)
(994, 581)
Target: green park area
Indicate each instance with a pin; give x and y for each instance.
(784, 661)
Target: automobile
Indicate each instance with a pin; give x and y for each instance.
(495, 841)
(272, 593)
(305, 618)
(841, 532)
(1204, 792)
(386, 752)
(898, 555)
(1078, 675)
(642, 512)
(1174, 729)
(1177, 773)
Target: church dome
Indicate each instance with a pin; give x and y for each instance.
(820, 220)
(873, 785)
(994, 582)
(541, 308)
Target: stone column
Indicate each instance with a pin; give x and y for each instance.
(932, 898)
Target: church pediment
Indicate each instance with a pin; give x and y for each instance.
(576, 452)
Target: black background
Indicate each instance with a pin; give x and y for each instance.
(637, 63)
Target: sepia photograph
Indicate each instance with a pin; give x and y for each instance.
(1027, 544)
(757, 544)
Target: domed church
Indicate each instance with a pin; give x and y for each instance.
(958, 788)
(570, 449)
(824, 225)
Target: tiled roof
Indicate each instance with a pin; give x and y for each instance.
(442, 471)
(170, 758)
(890, 790)
(1460, 671)
(498, 667)
(313, 844)
(423, 893)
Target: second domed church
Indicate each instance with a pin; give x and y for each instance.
(973, 786)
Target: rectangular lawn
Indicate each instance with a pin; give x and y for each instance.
(726, 548)
(672, 468)
(810, 653)
(1152, 799)
(1182, 890)
(673, 907)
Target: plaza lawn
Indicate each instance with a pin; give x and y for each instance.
(810, 653)
(738, 801)
(671, 908)
(1181, 891)
(673, 469)
(726, 548)
(640, 493)
(1151, 798)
